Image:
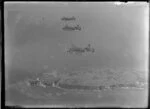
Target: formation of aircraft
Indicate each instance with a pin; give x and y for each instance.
(70, 28)
(78, 50)
(75, 49)
(68, 19)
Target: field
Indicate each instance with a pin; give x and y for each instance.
(125, 95)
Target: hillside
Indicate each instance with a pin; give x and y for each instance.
(96, 77)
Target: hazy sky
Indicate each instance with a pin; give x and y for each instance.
(34, 35)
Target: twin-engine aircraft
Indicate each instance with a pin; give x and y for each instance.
(68, 19)
(77, 50)
(71, 28)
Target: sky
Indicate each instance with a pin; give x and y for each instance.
(34, 37)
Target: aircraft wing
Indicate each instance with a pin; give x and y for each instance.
(71, 18)
(66, 27)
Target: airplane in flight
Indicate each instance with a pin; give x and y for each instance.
(77, 50)
(69, 28)
(68, 19)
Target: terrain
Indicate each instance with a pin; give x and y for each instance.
(90, 87)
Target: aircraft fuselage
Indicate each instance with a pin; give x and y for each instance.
(81, 50)
(68, 19)
(70, 28)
